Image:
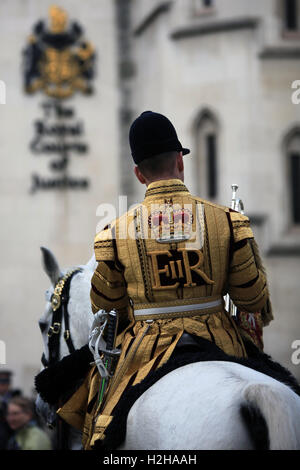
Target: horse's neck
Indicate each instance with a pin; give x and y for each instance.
(91, 265)
(79, 309)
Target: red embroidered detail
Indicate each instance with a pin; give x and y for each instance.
(251, 324)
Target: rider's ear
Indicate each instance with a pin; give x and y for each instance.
(180, 165)
(50, 265)
(139, 175)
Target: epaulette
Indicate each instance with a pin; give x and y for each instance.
(240, 226)
(104, 245)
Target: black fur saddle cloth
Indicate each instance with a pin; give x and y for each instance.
(204, 351)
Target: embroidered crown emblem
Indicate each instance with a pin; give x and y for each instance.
(170, 223)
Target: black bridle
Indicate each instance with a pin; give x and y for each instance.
(59, 304)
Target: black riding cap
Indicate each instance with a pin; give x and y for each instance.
(151, 134)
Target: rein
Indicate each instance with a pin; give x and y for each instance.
(59, 304)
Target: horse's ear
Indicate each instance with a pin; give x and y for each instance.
(50, 265)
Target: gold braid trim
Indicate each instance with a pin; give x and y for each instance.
(104, 254)
(106, 243)
(244, 275)
(257, 257)
(104, 246)
(241, 226)
(112, 284)
(141, 248)
(266, 311)
(255, 301)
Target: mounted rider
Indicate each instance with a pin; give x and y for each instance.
(165, 266)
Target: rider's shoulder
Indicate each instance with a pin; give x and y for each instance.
(111, 230)
(104, 235)
(240, 225)
(238, 218)
(211, 204)
(104, 244)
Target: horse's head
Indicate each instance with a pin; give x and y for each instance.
(76, 312)
(78, 305)
(53, 271)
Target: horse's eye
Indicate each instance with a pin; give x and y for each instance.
(48, 295)
(42, 326)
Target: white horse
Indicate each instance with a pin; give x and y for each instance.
(197, 406)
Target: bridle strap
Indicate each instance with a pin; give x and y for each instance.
(54, 336)
(59, 302)
(44, 360)
(67, 335)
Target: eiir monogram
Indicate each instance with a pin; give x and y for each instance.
(175, 265)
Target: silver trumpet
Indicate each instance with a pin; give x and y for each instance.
(238, 205)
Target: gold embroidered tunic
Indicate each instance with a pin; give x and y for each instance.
(165, 266)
